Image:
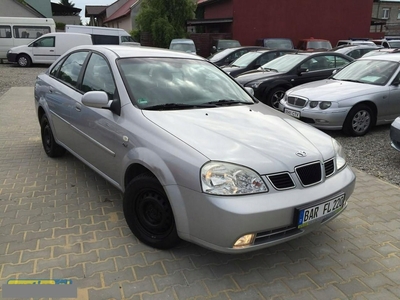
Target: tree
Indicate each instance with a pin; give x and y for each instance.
(165, 19)
(67, 3)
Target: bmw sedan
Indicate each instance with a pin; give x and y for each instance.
(196, 156)
(363, 94)
(273, 79)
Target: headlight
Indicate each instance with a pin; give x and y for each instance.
(220, 178)
(313, 104)
(325, 104)
(340, 156)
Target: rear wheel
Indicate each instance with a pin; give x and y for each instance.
(148, 213)
(24, 60)
(50, 146)
(275, 96)
(359, 120)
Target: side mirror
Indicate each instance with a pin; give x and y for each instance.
(249, 90)
(96, 99)
(302, 70)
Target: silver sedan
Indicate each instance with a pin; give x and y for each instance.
(363, 94)
(197, 157)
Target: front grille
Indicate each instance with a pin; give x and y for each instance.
(309, 174)
(299, 102)
(277, 234)
(281, 181)
(329, 167)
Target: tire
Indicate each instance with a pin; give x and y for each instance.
(275, 96)
(50, 146)
(148, 213)
(359, 120)
(24, 61)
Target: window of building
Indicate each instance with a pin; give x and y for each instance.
(398, 14)
(385, 13)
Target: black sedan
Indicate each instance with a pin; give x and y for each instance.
(273, 79)
(253, 60)
(225, 57)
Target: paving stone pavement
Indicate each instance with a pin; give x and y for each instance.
(58, 219)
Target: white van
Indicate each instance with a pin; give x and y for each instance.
(47, 48)
(104, 35)
(20, 31)
(183, 45)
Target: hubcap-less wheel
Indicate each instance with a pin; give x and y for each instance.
(50, 146)
(154, 213)
(361, 121)
(148, 212)
(47, 138)
(276, 98)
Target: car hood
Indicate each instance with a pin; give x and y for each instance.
(18, 48)
(255, 136)
(334, 90)
(255, 75)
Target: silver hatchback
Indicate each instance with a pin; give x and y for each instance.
(196, 156)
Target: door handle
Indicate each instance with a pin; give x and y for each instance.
(50, 90)
(51, 50)
(78, 107)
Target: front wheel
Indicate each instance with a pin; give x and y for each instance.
(24, 60)
(359, 120)
(275, 96)
(50, 146)
(148, 213)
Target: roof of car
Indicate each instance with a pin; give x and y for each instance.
(138, 51)
(392, 57)
(360, 46)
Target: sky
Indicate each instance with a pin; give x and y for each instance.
(82, 3)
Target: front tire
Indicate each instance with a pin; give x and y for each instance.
(275, 96)
(359, 120)
(24, 61)
(50, 146)
(148, 213)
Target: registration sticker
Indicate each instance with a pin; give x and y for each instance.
(293, 113)
(311, 214)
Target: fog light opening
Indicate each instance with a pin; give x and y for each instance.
(244, 241)
(321, 121)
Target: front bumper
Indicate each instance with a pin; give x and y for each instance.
(395, 134)
(217, 222)
(12, 57)
(328, 119)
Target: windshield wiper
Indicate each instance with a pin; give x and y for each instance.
(352, 80)
(228, 102)
(269, 69)
(172, 106)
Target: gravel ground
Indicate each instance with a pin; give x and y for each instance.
(371, 153)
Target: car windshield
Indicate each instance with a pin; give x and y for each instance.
(376, 72)
(278, 44)
(222, 54)
(284, 63)
(246, 59)
(319, 45)
(183, 47)
(168, 83)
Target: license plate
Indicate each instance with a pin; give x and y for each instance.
(311, 214)
(292, 113)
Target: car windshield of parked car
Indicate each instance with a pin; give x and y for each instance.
(183, 47)
(376, 72)
(278, 44)
(245, 59)
(169, 83)
(319, 45)
(283, 63)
